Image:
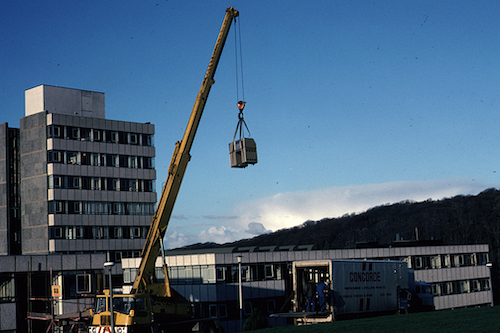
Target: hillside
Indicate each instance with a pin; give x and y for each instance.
(457, 220)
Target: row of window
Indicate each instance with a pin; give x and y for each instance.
(253, 272)
(460, 287)
(100, 159)
(202, 274)
(97, 232)
(101, 183)
(449, 260)
(98, 135)
(100, 207)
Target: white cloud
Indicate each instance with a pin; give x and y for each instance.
(218, 235)
(289, 209)
(176, 239)
(255, 229)
(285, 210)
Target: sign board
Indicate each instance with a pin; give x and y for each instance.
(56, 291)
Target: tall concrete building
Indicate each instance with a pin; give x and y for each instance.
(72, 181)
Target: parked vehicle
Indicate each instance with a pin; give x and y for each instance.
(355, 288)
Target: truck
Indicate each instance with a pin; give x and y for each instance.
(418, 297)
(354, 288)
(154, 306)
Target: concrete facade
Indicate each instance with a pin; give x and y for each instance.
(76, 190)
(87, 183)
(25, 277)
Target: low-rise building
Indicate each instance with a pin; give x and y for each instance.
(459, 276)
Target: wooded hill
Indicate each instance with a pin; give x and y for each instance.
(458, 220)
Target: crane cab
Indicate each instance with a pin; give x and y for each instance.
(133, 310)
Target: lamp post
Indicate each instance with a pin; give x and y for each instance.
(240, 292)
(110, 264)
(490, 266)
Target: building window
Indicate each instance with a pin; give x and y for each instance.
(97, 135)
(123, 137)
(111, 137)
(70, 233)
(72, 157)
(112, 184)
(134, 140)
(60, 207)
(83, 283)
(269, 271)
(55, 131)
(212, 310)
(73, 182)
(147, 140)
(117, 232)
(271, 306)
(75, 207)
(55, 156)
(85, 134)
(221, 273)
(123, 161)
(99, 233)
(148, 186)
(133, 162)
(112, 161)
(96, 183)
(136, 232)
(245, 273)
(247, 308)
(222, 311)
(72, 133)
(57, 233)
(86, 159)
(148, 163)
(133, 185)
(118, 208)
(7, 289)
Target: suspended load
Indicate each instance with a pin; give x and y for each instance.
(242, 151)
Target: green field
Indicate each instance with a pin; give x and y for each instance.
(473, 320)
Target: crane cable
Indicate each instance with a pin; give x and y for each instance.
(239, 68)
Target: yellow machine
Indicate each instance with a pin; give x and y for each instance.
(152, 306)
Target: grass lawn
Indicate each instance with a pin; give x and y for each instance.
(473, 320)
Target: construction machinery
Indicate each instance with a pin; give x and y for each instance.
(152, 306)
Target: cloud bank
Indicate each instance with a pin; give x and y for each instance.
(289, 209)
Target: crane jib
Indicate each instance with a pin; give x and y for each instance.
(180, 159)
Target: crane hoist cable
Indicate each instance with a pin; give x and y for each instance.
(239, 69)
(242, 150)
(238, 54)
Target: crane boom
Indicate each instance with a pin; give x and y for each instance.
(178, 164)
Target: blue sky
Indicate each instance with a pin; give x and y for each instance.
(352, 104)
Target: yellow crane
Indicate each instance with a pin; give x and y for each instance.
(153, 306)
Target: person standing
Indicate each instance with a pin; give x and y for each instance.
(322, 290)
(310, 293)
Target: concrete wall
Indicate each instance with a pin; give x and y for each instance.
(7, 316)
(61, 100)
(34, 206)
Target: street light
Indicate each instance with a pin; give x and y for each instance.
(490, 266)
(110, 264)
(240, 292)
